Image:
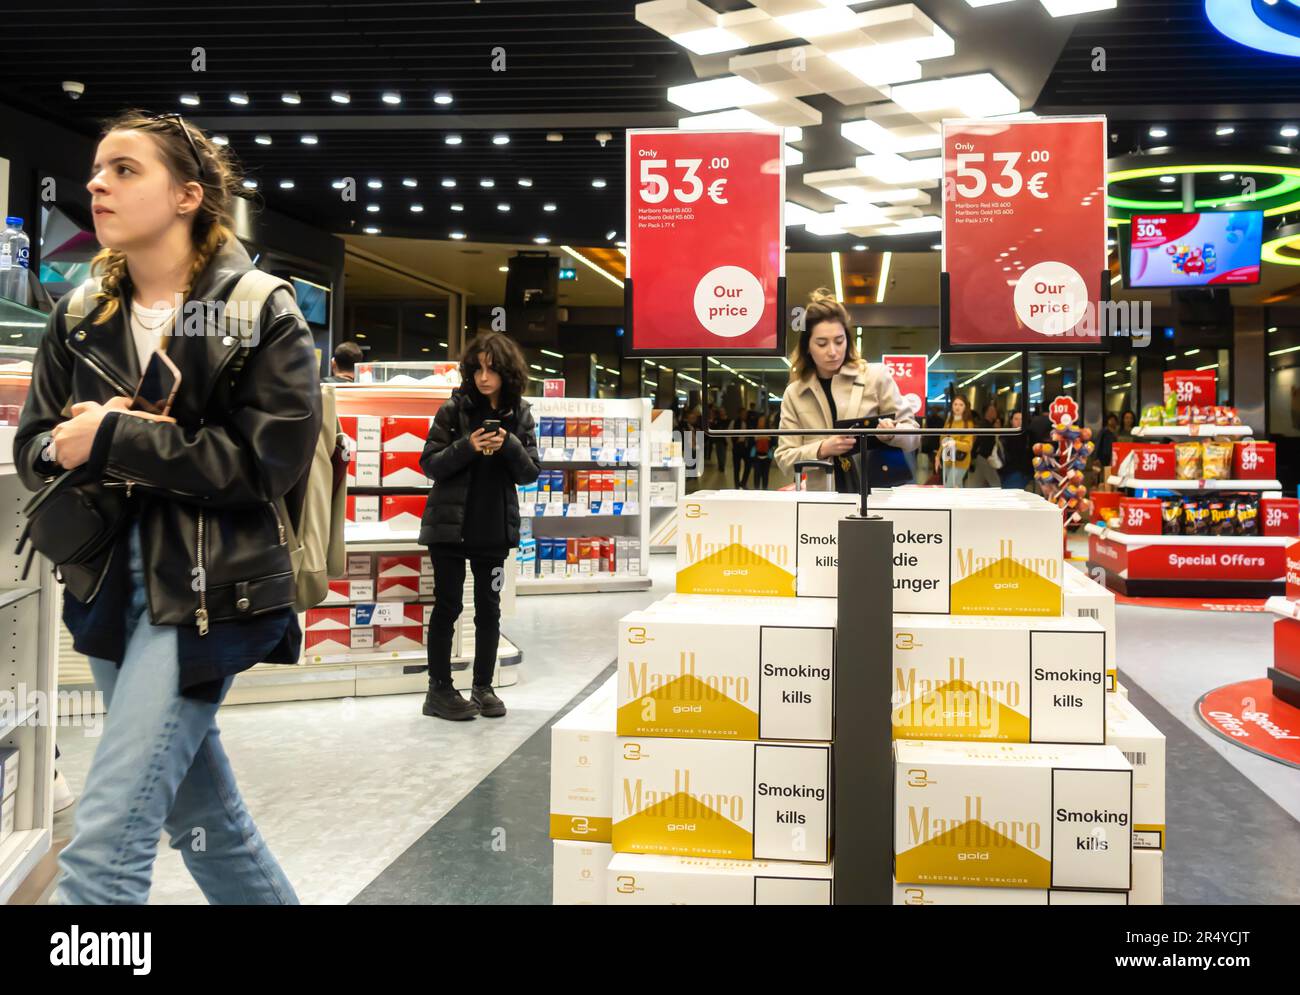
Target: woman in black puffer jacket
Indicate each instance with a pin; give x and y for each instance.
(473, 512)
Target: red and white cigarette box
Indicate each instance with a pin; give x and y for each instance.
(1279, 516)
(327, 642)
(398, 638)
(1154, 461)
(582, 486)
(401, 469)
(1195, 387)
(1140, 516)
(361, 508)
(596, 433)
(363, 470)
(404, 434)
(361, 564)
(398, 565)
(1254, 461)
(417, 614)
(404, 588)
(588, 556)
(571, 560)
(328, 619)
(607, 555)
(342, 592)
(402, 511)
(363, 430)
(584, 433)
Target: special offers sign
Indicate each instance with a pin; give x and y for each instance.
(1024, 233)
(705, 241)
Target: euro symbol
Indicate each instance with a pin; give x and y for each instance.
(715, 191)
(1036, 185)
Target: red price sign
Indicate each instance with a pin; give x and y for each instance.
(909, 372)
(553, 388)
(1195, 387)
(705, 241)
(1024, 232)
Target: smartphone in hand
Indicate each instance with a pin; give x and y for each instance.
(491, 425)
(158, 386)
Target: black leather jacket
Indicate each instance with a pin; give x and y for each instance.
(203, 487)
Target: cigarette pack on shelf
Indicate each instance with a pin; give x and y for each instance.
(651, 879)
(363, 470)
(1153, 461)
(1011, 680)
(8, 771)
(1140, 516)
(404, 434)
(633, 484)
(582, 487)
(1012, 815)
(720, 798)
(402, 511)
(620, 483)
(582, 768)
(1083, 597)
(342, 592)
(389, 565)
(1143, 746)
(1148, 889)
(578, 872)
(1279, 516)
(1254, 461)
(526, 558)
(399, 638)
(570, 433)
(404, 587)
(401, 469)
(363, 430)
(361, 508)
(588, 556)
(327, 640)
(360, 565)
(633, 433)
(8, 809)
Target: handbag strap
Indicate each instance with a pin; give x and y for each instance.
(76, 310)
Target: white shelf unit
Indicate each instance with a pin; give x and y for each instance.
(669, 469)
(1283, 607)
(563, 526)
(28, 691)
(1130, 539)
(1190, 431)
(1140, 483)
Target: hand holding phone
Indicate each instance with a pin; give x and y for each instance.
(158, 386)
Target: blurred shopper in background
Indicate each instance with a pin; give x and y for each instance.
(989, 455)
(1018, 466)
(761, 451)
(955, 449)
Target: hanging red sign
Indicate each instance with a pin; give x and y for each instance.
(705, 241)
(909, 372)
(1064, 411)
(1024, 233)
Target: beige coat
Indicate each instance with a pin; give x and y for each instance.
(861, 390)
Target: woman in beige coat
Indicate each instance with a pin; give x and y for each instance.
(829, 383)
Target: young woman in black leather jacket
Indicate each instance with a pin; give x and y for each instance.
(199, 585)
(472, 514)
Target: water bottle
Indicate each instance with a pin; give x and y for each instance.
(15, 258)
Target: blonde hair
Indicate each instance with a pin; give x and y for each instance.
(214, 219)
(822, 306)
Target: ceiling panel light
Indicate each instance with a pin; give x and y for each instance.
(487, 184)
(1289, 131)
(797, 214)
(691, 24)
(503, 208)
(877, 67)
(1068, 8)
(308, 139)
(220, 140)
(815, 23)
(875, 138)
(1224, 129)
(290, 98)
(190, 99)
(392, 97)
(599, 184)
(542, 240)
(717, 94)
(410, 182)
(457, 235)
(442, 98)
(892, 168)
(976, 95)
(554, 136)
(452, 140)
(737, 120)
(793, 157)
(500, 139)
(250, 184)
(370, 230)
(341, 97)
(239, 99)
(458, 207)
(548, 207)
(1155, 131)
(525, 182)
(417, 208)
(448, 182)
(263, 139)
(906, 31)
(372, 208)
(375, 184)
(286, 184)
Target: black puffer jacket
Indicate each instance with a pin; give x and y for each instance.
(447, 458)
(205, 486)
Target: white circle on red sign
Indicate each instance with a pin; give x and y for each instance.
(729, 301)
(1051, 297)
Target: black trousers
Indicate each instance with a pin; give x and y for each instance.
(762, 467)
(448, 591)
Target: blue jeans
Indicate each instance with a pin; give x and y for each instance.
(953, 476)
(160, 765)
(1014, 480)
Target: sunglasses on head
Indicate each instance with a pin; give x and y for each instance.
(194, 148)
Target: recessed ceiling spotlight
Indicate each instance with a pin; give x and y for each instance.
(308, 139)
(449, 183)
(417, 208)
(1166, 179)
(369, 230)
(263, 139)
(372, 208)
(859, 248)
(525, 182)
(250, 184)
(341, 97)
(548, 207)
(375, 184)
(458, 207)
(452, 140)
(1158, 132)
(554, 136)
(503, 207)
(503, 269)
(542, 240)
(458, 235)
(500, 139)
(392, 97)
(190, 99)
(1227, 176)
(409, 182)
(220, 140)
(621, 244)
(1224, 129)
(487, 184)
(339, 184)
(1289, 131)
(290, 98)
(240, 99)
(609, 235)
(286, 184)
(442, 98)
(598, 184)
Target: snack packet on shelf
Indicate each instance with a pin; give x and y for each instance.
(1216, 460)
(1153, 415)
(1223, 517)
(1184, 416)
(1187, 460)
(1247, 513)
(1171, 516)
(1196, 517)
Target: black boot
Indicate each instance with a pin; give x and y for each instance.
(445, 702)
(489, 705)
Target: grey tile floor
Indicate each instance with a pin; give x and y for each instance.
(431, 812)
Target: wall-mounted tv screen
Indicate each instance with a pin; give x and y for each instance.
(313, 300)
(1219, 249)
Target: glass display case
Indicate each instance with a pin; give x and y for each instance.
(21, 329)
(399, 372)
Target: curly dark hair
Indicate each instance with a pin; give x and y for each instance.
(504, 357)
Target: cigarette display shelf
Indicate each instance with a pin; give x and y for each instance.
(390, 488)
(602, 456)
(621, 509)
(1141, 483)
(1115, 535)
(1190, 431)
(669, 468)
(592, 584)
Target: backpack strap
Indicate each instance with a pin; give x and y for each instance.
(76, 310)
(245, 302)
